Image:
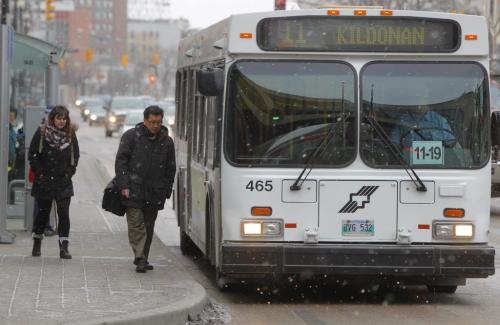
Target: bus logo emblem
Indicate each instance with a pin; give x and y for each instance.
(358, 200)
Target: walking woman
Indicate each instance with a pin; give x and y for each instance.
(53, 157)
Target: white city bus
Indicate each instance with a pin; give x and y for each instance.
(338, 142)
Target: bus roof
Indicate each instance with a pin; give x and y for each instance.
(237, 34)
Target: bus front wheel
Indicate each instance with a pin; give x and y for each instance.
(186, 244)
(222, 281)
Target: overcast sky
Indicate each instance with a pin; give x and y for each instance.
(203, 13)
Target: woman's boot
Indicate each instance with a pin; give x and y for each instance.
(37, 246)
(63, 250)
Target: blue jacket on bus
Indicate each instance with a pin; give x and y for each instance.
(429, 127)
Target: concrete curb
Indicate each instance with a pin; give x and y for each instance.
(102, 170)
(176, 313)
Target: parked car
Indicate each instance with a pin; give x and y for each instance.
(120, 107)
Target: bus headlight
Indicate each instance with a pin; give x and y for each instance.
(252, 228)
(171, 121)
(112, 119)
(86, 111)
(464, 231)
(453, 230)
(93, 117)
(270, 228)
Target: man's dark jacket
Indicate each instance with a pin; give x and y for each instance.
(145, 164)
(53, 168)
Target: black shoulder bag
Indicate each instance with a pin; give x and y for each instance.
(112, 199)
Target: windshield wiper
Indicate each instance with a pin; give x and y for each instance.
(320, 148)
(395, 151)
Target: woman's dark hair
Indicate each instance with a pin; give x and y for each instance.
(62, 111)
(152, 110)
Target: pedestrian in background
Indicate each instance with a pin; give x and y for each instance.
(53, 157)
(12, 139)
(145, 171)
(49, 230)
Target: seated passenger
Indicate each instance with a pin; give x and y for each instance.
(422, 124)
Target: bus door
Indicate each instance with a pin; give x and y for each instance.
(358, 210)
(184, 173)
(198, 172)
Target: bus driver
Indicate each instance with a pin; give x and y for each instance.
(422, 124)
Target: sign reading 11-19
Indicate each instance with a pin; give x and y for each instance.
(427, 153)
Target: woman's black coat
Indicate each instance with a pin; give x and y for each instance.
(53, 169)
(146, 167)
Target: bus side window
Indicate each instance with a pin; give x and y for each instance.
(495, 129)
(178, 100)
(183, 106)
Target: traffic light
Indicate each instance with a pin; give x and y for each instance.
(62, 64)
(89, 55)
(125, 60)
(279, 4)
(49, 10)
(152, 79)
(155, 59)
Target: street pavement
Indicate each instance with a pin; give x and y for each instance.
(99, 285)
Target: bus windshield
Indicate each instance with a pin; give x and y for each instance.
(279, 111)
(435, 113)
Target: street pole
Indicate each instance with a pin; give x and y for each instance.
(6, 45)
(52, 81)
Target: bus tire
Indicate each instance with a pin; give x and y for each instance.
(186, 244)
(442, 288)
(221, 280)
(108, 134)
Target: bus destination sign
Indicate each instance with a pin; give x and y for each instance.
(363, 34)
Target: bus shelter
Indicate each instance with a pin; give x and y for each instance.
(28, 82)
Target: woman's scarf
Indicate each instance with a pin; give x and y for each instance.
(57, 139)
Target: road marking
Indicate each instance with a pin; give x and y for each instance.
(105, 219)
(86, 288)
(62, 285)
(15, 289)
(37, 303)
(108, 282)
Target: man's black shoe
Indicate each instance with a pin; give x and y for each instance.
(141, 266)
(149, 267)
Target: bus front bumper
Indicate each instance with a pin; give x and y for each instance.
(464, 261)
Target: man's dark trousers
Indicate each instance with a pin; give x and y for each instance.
(141, 224)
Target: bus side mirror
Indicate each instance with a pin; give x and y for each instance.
(210, 81)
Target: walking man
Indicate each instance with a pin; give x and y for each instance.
(145, 171)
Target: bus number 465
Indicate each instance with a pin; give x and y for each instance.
(260, 186)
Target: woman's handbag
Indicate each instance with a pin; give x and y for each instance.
(112, 199)
(31, 175)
